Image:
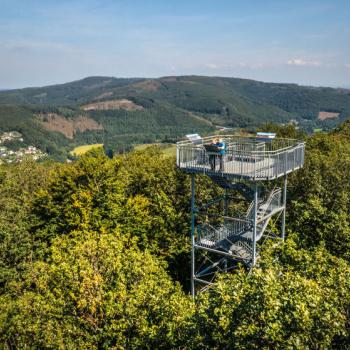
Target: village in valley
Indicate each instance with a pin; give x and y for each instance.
(9, 155)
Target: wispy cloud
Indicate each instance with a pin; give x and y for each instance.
(302, 62)
(219, 66)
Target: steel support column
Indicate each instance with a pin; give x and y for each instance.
(226, 203)
(284, 208)
(255, 221)
(192, 235)
(225, 265)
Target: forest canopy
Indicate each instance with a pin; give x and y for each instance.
(95, 254)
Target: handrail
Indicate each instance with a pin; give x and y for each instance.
(243, 159)
(207, 231)
(210, 236)
(243, 219)
(245, 152)
(266, 203)
(247, 139)
(270, 198)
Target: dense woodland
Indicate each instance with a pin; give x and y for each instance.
(169, 108)
(95, 254)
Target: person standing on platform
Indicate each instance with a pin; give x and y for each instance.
(220, 144)
(212, 155)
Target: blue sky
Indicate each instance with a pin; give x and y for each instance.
(54, 41)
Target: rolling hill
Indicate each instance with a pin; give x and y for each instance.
(122, 112)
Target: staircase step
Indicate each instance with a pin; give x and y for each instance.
(240, 251)
(207, 242)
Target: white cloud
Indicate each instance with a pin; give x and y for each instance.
(301, 62)
(212, 65)
(347, 65)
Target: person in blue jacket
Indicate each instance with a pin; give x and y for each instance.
(220, 144)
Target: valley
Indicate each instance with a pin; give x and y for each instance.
(121, 113)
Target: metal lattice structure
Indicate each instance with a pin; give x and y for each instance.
(250, 167)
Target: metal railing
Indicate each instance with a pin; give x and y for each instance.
(238, 230)
(247, 246)
(272, 203)
(210, 236)
(248, 158)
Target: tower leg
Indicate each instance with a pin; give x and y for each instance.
(225, 204)
(225, 265)
(192, 235)
(255, 222)
(284, 208)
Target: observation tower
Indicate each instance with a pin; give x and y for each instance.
(253, 176)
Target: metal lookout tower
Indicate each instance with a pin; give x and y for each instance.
(232, 227)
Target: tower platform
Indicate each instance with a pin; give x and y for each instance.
(245, 158)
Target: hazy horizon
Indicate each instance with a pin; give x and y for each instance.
(134, 77)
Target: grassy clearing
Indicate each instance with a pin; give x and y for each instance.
(167, 148)
(80, 150)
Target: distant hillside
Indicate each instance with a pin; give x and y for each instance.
(121, 112)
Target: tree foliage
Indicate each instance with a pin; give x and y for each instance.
(94, 254)
(288, 302)
(97, 290)
(320, 194)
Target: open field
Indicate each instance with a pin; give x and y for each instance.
(167, 149)
(322, 115)
(80, 150)
(112, 104)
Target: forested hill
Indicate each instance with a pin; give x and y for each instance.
(119, 112)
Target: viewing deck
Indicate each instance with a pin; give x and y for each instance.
(245, 158)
